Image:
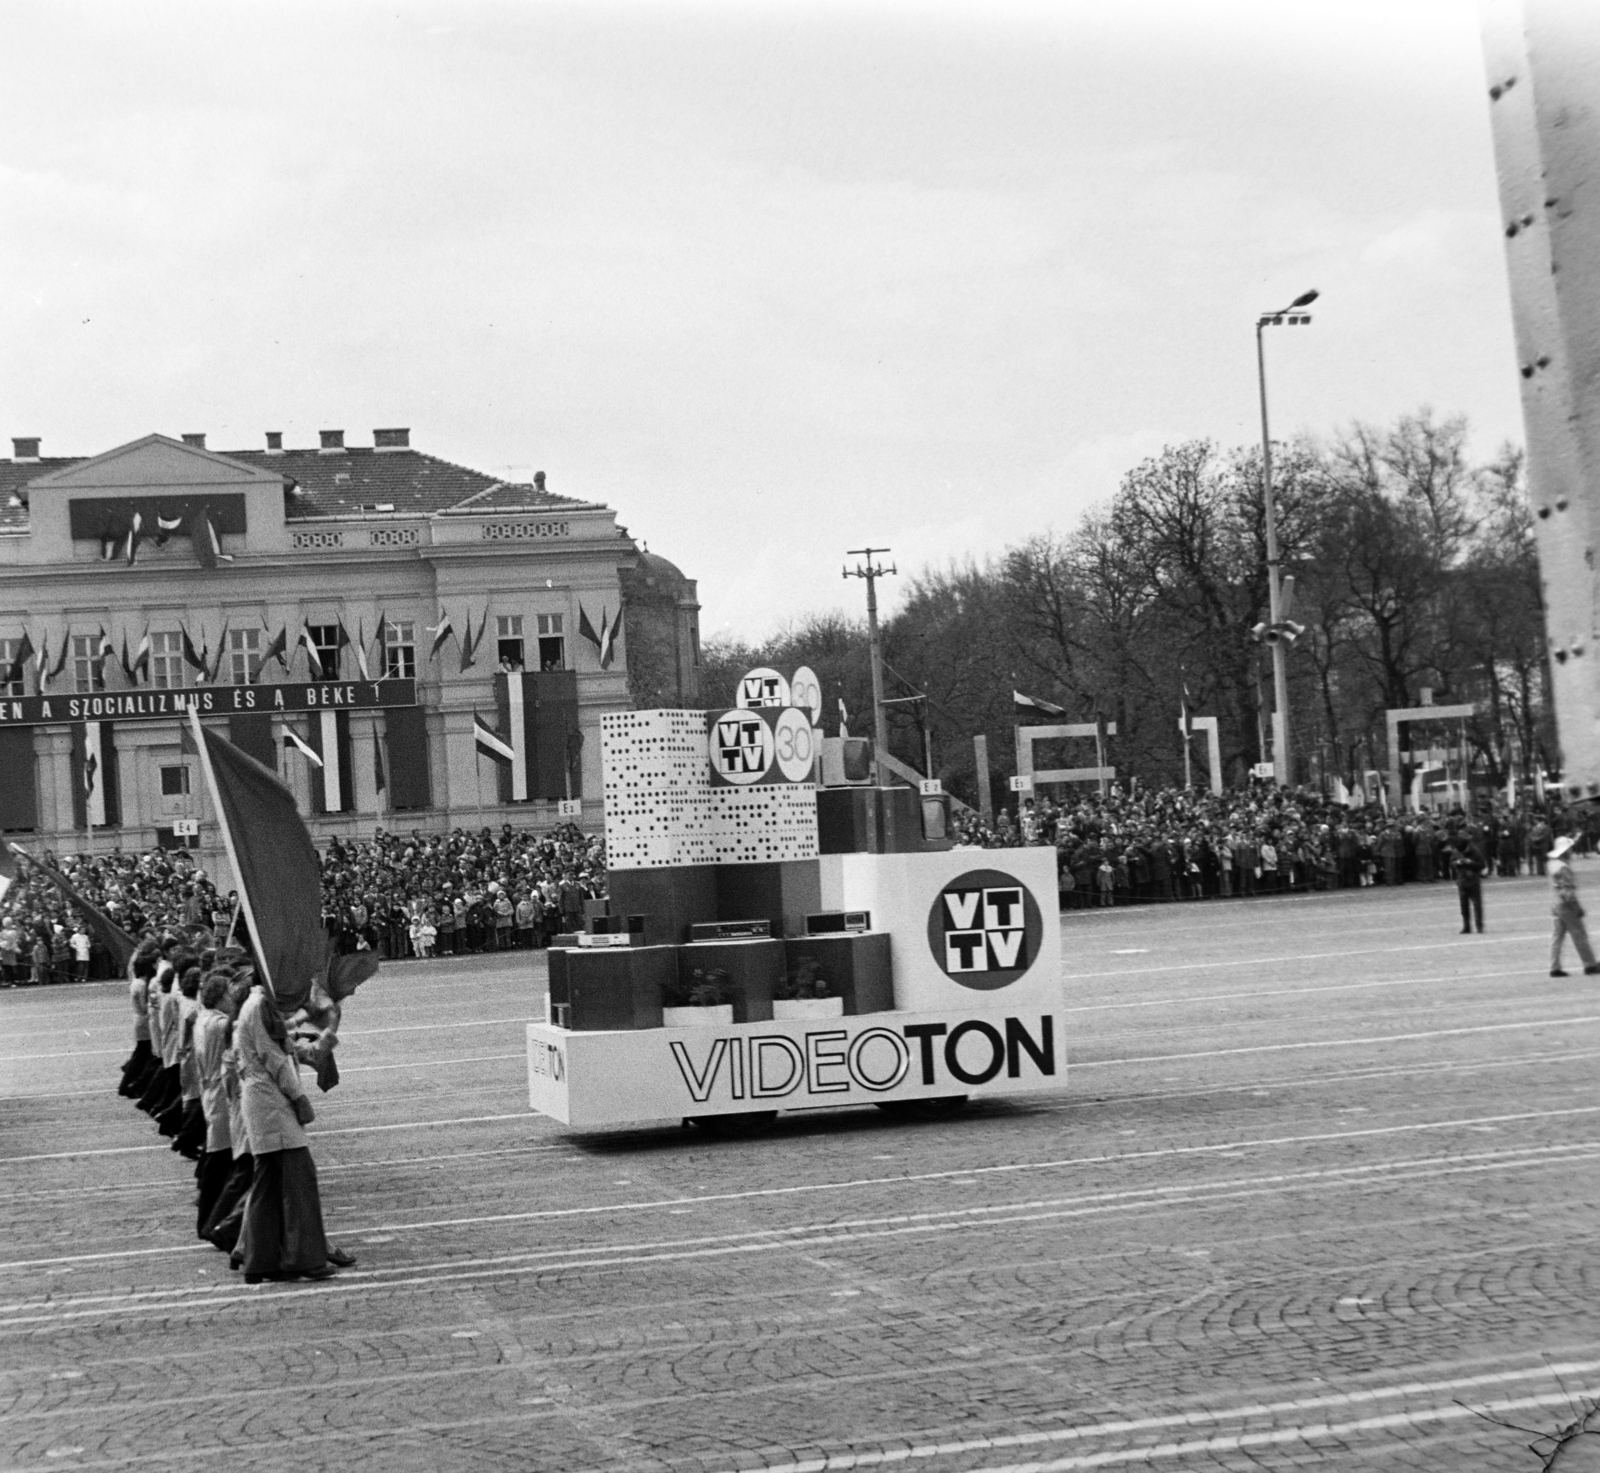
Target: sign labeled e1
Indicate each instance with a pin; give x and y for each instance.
(1022, 783)
(1263, 769)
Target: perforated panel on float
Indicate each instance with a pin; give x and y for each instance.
(662, 810)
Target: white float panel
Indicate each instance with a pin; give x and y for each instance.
(971, 928)
(590, 1079)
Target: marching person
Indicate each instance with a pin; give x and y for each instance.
(282, 1234)
(1567, 911)
(212, 1026)
(135, 1073)
(221, 1227)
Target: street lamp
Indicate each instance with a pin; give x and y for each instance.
(1277, 615)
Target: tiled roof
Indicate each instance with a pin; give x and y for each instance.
(14, 475)
(342, 485)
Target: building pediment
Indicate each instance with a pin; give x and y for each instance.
(155, 463)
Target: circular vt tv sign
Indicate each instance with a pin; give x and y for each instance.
(985, 929)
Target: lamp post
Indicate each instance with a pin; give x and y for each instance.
(1282, 768)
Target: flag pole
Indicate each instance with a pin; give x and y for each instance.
(227, 843)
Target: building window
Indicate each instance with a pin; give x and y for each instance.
(325, 639)
(552, 645)
(175, 782)
(88, 673)
(400, 650)
(8, 655)
(508, 632)
(244, 656)
(166, 660)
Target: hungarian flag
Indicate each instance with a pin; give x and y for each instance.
(469, 645)
(844, 719)
(440, 632)
(492, 745)
(280, 879)
(94, 766)
(605, 639)
(313, 658)
(131, 545)
(203, 537)
(95, 921)
(361, 649)
(1184, 728)
(293, 743)
(379, 778)
(222, 654)
(61, 658)
(277, 648)
(193, 658)
(1034, 705)
(41, 663)
(330, 738)
(19, 661)
(141, 658)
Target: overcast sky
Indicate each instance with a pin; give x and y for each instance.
(774, 280)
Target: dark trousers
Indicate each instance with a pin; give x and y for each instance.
(211, 1175)
(1471, 905)
(227, 1212)
(282, 1232)
(134, 1069)
(190, 1140)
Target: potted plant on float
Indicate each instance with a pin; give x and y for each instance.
(702, 1002)
(804, 995)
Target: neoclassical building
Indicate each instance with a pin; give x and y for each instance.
(410, 643)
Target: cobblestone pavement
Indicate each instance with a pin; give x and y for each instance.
(1323, 1186)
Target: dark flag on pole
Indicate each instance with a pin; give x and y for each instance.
(379, 779)
(98, 924)
(280, 880)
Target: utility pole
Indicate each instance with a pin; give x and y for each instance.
(872, 572)
(1277, 614)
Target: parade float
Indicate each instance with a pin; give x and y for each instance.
(782, 932)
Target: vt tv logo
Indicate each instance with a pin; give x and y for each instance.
(984, 930)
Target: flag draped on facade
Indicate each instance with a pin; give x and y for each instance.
(492, 745)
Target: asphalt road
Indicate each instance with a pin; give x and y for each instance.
(1322, 1189)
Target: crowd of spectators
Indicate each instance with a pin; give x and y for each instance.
(399, 896)
(1174, 844)
(421, 895)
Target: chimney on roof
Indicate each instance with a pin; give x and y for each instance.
(332, 442)
(391, 439)
(274, 442)
(198, 440)
(538, 480)
(25, 447)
